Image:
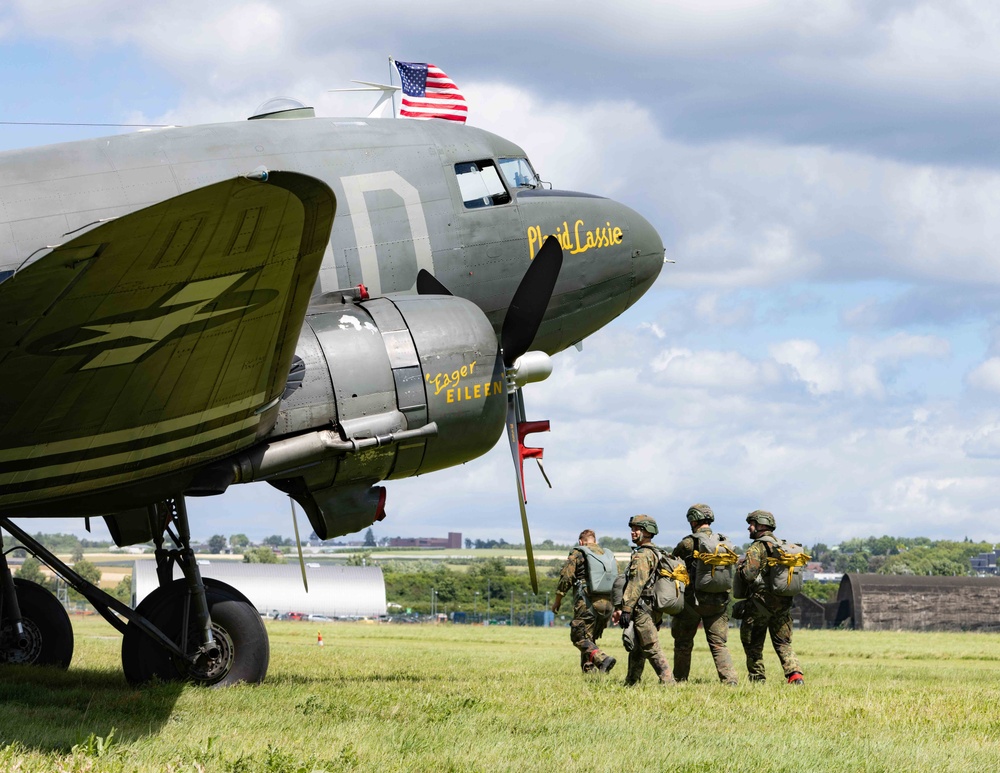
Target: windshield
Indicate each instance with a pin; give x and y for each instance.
(518, 173)
(479, 184)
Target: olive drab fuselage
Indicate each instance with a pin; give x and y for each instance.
(413, 380)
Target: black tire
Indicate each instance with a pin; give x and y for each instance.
(244, 650)
(47, 629)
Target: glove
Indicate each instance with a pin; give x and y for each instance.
(625, 619)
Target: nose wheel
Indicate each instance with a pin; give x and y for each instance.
(239, 650)
(46, 634)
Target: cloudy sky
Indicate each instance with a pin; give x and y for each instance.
(825, 173)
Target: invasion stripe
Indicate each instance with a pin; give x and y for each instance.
(128, 457)
(136, 444)
(71, 485)
(91, 442)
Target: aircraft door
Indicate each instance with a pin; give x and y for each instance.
(490, 230)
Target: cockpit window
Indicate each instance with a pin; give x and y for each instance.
(480, 185)
(518, 173)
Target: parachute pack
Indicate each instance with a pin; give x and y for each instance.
(602, 569)
(714, 563)
(668, 583)
(783, 559)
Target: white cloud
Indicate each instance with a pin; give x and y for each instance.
(657, 331)
(986, 376)
(707, 369)
(802, 422)
(859, 368)
(738, 214)
(938, 48)
(984, 443)
(734, 213)
(827, 471)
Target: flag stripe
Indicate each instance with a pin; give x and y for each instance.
(429, 93)
(432, 103)
(406, 114)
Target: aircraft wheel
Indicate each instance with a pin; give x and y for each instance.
(48, 634)
(242, 653)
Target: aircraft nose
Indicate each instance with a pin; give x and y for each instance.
(647, 255)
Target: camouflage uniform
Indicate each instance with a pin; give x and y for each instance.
(765, 613)
(591, 611)
(645, 619)
(709, 609)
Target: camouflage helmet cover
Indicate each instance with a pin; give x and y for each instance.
(700, 512)
(762, 518)
(644, 521)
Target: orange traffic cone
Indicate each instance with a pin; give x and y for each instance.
(319, 638)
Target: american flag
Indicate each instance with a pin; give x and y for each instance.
(429, 93)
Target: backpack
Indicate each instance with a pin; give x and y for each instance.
(714, 563)
(602, 569)
(741, 590)
(668, 583)
(783, 559)
(618, 591)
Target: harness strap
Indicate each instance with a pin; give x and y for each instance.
(778, 557)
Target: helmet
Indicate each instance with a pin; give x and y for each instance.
(700, 512)
(762, 518)
(644, 521)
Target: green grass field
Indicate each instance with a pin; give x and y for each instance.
(422, 698)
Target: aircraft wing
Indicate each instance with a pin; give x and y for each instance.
(156, 341)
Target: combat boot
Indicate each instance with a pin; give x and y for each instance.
(796, 679)
(607, 664)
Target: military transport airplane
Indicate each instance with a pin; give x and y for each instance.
(322, 304)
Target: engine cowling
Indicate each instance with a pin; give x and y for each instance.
(380, 389)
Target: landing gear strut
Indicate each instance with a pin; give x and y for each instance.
(218, 630)
(189, 629)
(239, 650)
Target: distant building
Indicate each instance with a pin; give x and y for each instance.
(887, 602)
(808, 612)
(826, 576)
(454, 540)
(334, 591)
(985, 563)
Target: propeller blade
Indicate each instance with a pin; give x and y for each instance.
(298, 544)
(527, 307)
(512, 437)
(427, 284)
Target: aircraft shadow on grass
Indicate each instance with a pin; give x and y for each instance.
(51, 710)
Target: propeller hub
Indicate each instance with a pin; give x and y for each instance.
(529, 368)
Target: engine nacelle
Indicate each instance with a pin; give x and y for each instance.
(377, 377)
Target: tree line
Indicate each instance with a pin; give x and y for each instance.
(485, 586)
(900, 555)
